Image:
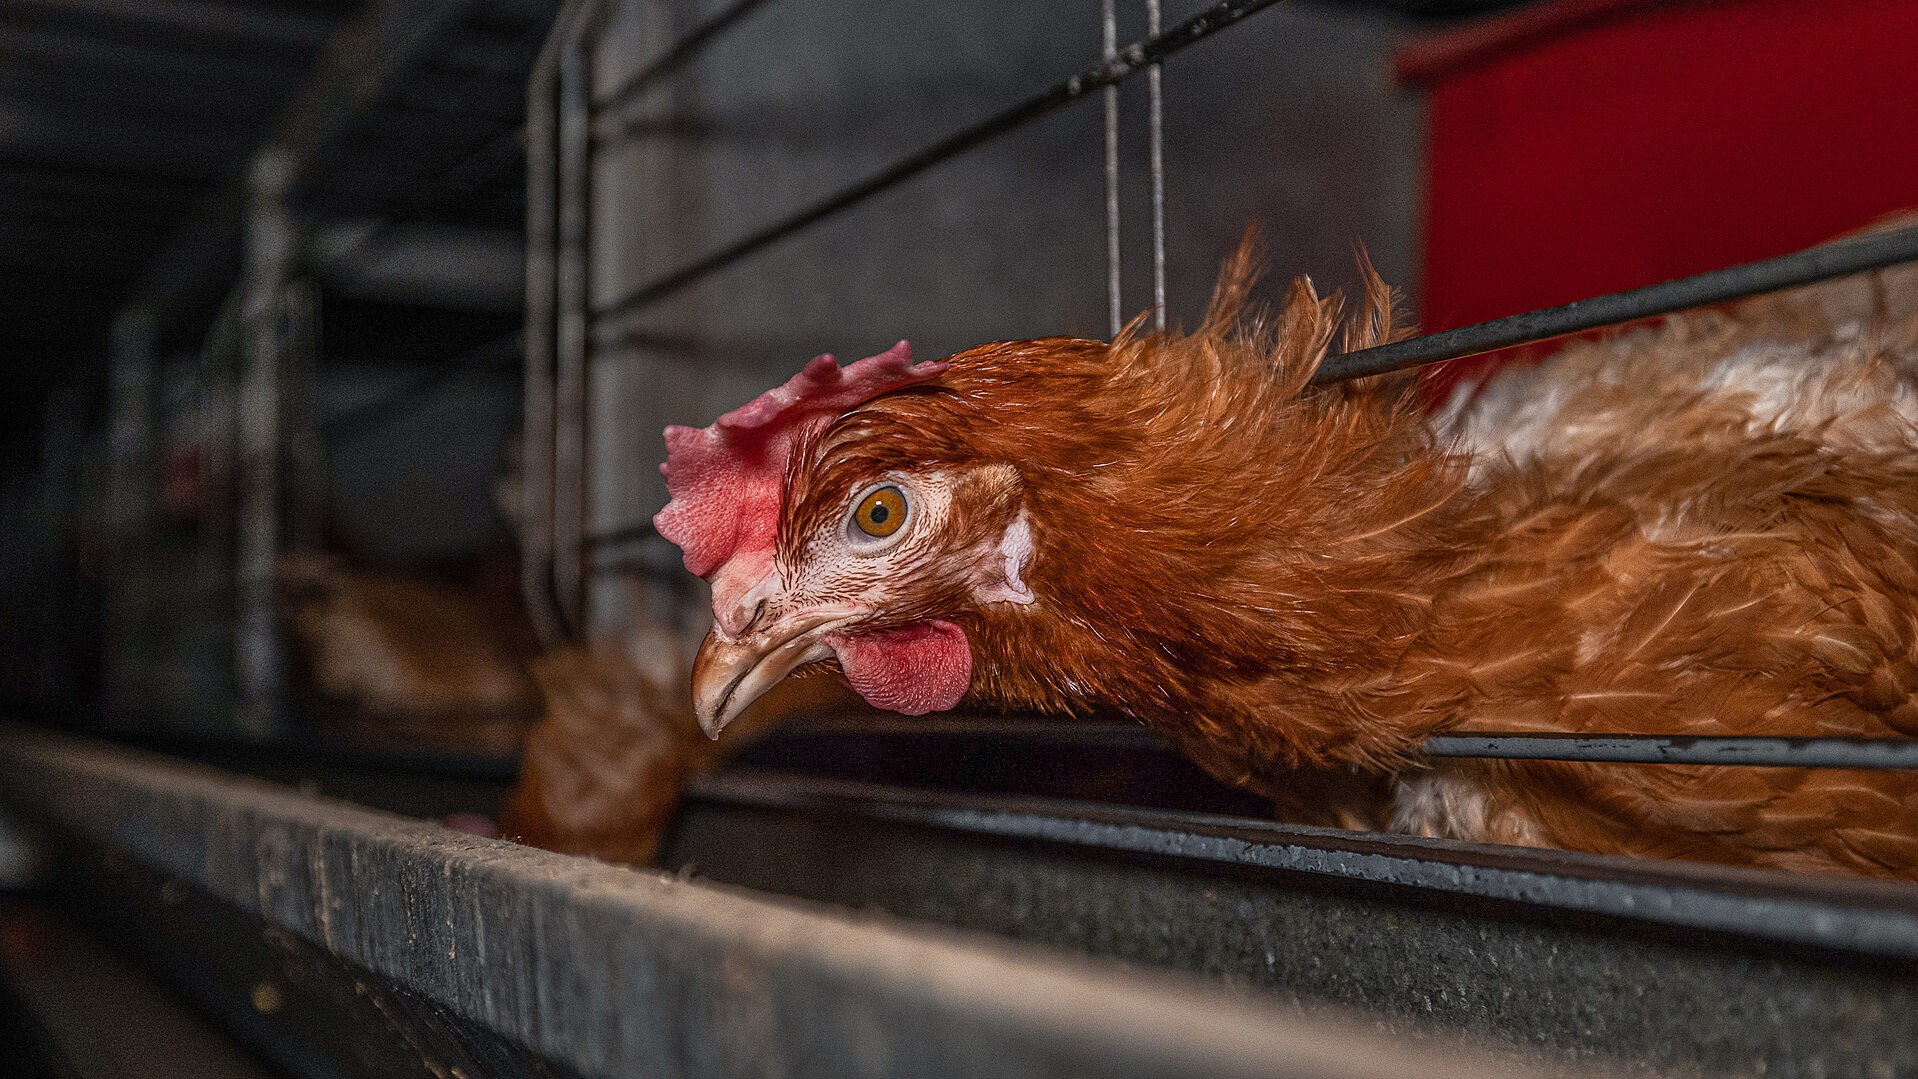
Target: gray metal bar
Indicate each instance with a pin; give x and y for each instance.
(542, 305)
(304, 486)
(1130, 60)
(1820, 263)
(1865, 753)
(1109, 40)
(572, 297)
(608, 971)
(1870, 753)
(130, 478)
(217, 377)
(1155, 119)
(258, 662)
(1865, 916)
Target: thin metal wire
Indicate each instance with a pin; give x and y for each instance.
(1820, 263)
(1863, 753)
(541, 336)
(1130, 60)
(573, 291)
(1155, 108)
(1109, 39)
(1858, 753)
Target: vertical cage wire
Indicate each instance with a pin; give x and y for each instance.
(573, 293)
(129, 501)
(305, 486)
(1109, 42)
(270, 242)
(537, 434)
(569, 435)
(218, 436)
(1155, 107)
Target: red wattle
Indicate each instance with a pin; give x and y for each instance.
(915, 669)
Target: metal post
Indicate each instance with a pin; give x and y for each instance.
(1109, 42)
(219, 439)
(258, 663)
(573, 317)
(542, 304)
(1155, 105)
(129, 503)
(305, 481)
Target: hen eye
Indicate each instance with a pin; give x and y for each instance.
(880, 513)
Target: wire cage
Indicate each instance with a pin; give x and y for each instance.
(330, 350)
(679, 262)
(715, 190)
(978, 175)
(671, 179)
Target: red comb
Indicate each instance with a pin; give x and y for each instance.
(725, 479)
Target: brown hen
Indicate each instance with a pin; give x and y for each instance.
(1705, 527)
(415, 660)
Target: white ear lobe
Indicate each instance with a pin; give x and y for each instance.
(1015, 553)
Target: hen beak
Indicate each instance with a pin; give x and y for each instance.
(728, 675)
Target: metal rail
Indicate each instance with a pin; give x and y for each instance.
(606, 971)
(1862, 753)
(540, 333)
(1821, 263)
(1127, 61)
(1783, 907)
(1754, 751)
(1109, 43)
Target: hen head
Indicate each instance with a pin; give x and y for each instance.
(832, 531)
(1053, 523)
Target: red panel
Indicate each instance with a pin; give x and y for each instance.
(1660, 141)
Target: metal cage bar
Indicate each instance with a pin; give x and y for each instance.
(1155, 152)
(1749, 750)
(1821, 263)
(1754, 751)
(1109, 42)
(1128, 61)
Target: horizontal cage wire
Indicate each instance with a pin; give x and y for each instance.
(1822, 263)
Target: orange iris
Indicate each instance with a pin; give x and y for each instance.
(881, 513)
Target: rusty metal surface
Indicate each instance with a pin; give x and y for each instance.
(607, 971)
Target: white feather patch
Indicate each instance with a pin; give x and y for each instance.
(1015, 553)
